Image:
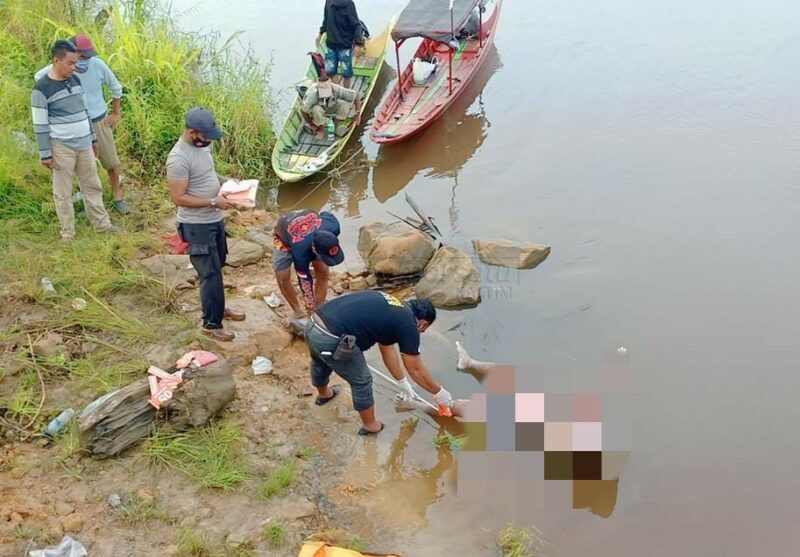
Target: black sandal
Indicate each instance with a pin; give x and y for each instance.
(364, 432)
(323, 401)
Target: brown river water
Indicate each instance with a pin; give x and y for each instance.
(655, 147)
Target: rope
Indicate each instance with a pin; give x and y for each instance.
(325, 180)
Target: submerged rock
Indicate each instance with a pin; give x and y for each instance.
(506, 253)
(243, 252)
(451, 279)
(394, 249)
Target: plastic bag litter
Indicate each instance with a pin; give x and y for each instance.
(69, 547)
(273, 300)
(422, 70)
(47, 286)
(261, 365)
(78, 304)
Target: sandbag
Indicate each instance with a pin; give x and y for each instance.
(123, 418)
(207, 392)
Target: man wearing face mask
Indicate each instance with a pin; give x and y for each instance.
(94, 74)
(370, 318)
(194, 187)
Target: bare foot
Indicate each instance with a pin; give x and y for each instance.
(463, 357)
(320, 134)
(467, 363)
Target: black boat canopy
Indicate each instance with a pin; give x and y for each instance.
(431, 19)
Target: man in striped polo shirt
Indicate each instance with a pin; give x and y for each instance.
(66, 142)
(94, 73)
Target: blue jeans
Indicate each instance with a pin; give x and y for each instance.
(332, 59)
(354, 370)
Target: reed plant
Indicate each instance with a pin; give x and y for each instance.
(515, 541)
(214, 455)
(164, 72)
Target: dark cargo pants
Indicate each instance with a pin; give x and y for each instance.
(208, 249)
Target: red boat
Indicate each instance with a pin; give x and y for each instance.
(411, 106)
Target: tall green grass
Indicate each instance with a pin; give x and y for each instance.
(213, 456)
(164, 72)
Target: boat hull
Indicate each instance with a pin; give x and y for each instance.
(402, 115)
(297, 153)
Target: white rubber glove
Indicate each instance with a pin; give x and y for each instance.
(443, 398)
(405, 385)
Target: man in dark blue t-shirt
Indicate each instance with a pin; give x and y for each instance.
(372, 318)
(305, 238)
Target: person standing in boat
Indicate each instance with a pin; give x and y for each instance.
(344, 38)
(324, 99)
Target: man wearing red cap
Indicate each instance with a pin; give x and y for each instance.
(94, 73)
(305, 238)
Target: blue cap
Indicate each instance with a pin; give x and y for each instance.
(201, 120)
(328, 248)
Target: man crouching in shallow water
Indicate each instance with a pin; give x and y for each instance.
(340, 331)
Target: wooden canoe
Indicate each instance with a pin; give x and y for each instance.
(298, 153)
(401, 116)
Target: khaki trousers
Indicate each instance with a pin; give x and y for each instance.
(341, 111)
(67, 164)
(106, 147)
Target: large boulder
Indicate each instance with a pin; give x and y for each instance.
(511, 254)
(259, 237)
(175, 270)
(451, 279)
(243, 252)
(394, 249)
